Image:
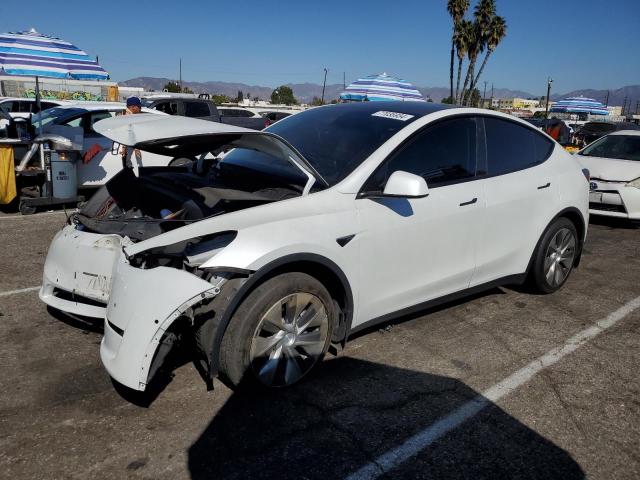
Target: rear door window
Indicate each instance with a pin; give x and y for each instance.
(442, 154)
(170, 108)
(512, 147)
(196, 109)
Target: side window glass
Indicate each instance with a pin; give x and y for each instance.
(25, 107)
(170, 108)
(74, 122)
(442, 154)
(196, 109)
(512, 147)
(96, 117)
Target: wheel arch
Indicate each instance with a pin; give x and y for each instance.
(574, 216)
(323, 269)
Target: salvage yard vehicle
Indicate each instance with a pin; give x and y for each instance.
(329, 221)
(80, 118)
(614, 163)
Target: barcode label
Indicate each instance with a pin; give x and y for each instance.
(403, 117)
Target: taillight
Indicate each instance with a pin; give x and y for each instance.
(587, 174)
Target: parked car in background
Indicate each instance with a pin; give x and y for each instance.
(614, 164)
(591, 131)
(80, 117)
(274, 116)
(203, 109)
(24, 107)
(326, 223)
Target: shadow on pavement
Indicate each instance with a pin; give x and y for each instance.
(614, 223)
(351, 411)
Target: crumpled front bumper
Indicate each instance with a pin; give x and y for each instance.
(614, 199)
(142, 306)
(77, 271)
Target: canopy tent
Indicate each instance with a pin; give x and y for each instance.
(381, 87)
(579, 105)
(34, 54)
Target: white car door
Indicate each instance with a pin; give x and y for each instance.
(106, 163)
(415, 250)
(520, 194)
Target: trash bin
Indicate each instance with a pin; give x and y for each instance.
(63, 174)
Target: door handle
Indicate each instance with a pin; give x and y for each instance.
(548, 184)
(470, 202)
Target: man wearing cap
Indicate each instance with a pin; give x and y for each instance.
(134, 105)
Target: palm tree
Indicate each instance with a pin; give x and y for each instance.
(484, 13)
(463, 38)
(474, 48)
(496, 32)
(457, 9)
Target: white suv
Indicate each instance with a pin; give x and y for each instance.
(330, 221)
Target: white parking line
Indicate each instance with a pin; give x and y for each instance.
(423, 439)
(22, 290)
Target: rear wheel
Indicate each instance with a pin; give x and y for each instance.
(279, 332)
(555, 256)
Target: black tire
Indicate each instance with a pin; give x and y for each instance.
(236, 367)
(538, 276)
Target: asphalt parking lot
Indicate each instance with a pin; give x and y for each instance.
(389, 406)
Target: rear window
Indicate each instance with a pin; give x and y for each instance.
(196, 109)
(512, 147)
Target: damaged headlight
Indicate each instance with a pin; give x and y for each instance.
(634, 183)
(186, 254)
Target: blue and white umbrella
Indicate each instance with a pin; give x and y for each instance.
(381, 87)
(34, 54)
(579, 105)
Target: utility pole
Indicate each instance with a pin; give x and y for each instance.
(324, 84)
(180, 75)
(606, 102)
(624, 105)
(344, 80)
(546, 108)
(637, 106)
(484, 93)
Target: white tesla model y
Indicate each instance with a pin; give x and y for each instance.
(269, 247)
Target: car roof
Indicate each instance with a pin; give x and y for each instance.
(21, 99)
(419, 109)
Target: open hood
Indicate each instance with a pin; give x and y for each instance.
(175, 136)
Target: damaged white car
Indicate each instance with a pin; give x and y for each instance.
(275, 245)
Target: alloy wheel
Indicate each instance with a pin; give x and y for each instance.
(558, 259)
(289, 339)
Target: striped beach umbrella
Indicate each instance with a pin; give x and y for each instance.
(381, 87)
(34, 54)
(579, 105)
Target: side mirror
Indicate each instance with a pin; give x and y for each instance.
(115, 148)
(405, 185)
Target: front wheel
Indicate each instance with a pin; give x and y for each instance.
(555, 256)
(278, 333)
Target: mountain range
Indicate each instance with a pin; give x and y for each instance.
(305, 92)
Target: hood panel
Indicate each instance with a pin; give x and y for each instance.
(611, 169)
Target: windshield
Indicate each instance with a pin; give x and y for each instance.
(336, 139)
(622, 147)
(55, 114)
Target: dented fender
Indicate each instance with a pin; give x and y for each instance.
(142, 306)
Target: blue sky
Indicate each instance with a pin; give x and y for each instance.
(580, 43)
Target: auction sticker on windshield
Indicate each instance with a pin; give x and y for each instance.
(394, 115)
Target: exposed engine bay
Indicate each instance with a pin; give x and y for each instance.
(160, 199)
